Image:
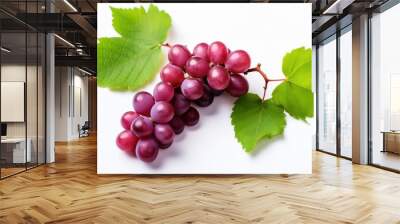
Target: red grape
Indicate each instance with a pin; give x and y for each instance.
(178, 55)
(127, 118)
(181, 104)
(217, 52)
(163, 92)
(142, 103)
(177, 124)
(191, 117)
(206, 99)
(238, 61)
(178, 91)
(218, 78)
(164, 146)
(142, 126)
(192, 88)
(164, 133)
(238, 85)
(197, 67)
(162, 112)
(213, 91)
(147, 149)
(201, 50)
(172, 74)
(127, 141)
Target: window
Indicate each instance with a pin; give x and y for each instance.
(327, 96)
(346, 93)
(385, 89)
(335, 74)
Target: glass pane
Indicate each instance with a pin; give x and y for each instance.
(32, 87)
(13, 90)
(22, 88)
(385, 86)
(31, 98)
(41, 98)
(327, 96)
(346, 94)
(314, 80)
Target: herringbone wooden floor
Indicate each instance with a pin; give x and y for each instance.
(70, 191)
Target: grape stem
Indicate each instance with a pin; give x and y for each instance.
(265, 77)
(166, 45)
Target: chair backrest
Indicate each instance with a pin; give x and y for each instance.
(86, 125)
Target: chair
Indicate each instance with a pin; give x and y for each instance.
(84, 130)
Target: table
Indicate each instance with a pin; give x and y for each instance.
(391, 141)
(18, 150)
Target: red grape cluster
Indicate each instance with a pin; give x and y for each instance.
(159, 117)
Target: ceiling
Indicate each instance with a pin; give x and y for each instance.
(75, 22)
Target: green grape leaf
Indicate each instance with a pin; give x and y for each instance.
(295, 94)
(254, 119)
(132, 60)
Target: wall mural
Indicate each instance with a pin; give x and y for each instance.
(204, 88)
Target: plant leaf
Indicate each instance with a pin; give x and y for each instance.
(128, 69)
(295, 94)
(254, 119)
(297, 101)
(148, 28)
(131, 61)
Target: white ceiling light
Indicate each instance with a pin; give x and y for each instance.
(338, 6)
(84, 71)
(79, 51)
(5, 50)
(70, 5)
(65, 41)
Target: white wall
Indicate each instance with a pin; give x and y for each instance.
(71, 94)
(61, 103)
(80, 102)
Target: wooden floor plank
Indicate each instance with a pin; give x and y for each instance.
(70, 191)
